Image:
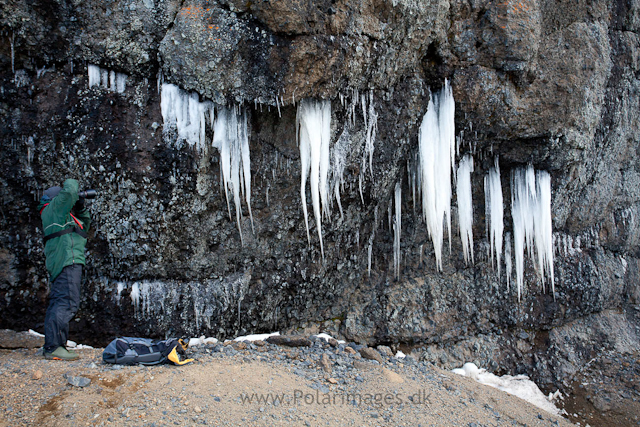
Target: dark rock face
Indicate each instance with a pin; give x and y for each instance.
(554, 84)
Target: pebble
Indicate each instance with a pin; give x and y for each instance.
(37, 375)
(77, 381)
(349, 350)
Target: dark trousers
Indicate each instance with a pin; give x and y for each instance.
(64, 299)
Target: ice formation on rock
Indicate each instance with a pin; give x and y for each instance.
(371, 128)
(465, 206)
(508, 259)
(532, 227)
(187, 118)
(494, 213)
(437, 161)
(397, 229)
(340, 153)
(184, 114)
(115, 82)
(231, 137)
(314, 131)
(135, 295)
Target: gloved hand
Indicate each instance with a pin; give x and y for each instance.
(79, 206)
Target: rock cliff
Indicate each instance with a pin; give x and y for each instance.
(553, 84)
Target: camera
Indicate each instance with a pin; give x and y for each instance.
(87, 194)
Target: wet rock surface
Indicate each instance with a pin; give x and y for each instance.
(549, 83)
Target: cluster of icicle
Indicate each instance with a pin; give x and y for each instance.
(437, 161)
(187, 119)
(322, 165)
(530, 198)
(532, 227)
(110, 80)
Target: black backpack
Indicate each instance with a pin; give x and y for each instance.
(144, 351)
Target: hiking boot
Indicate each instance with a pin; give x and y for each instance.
(61, 353)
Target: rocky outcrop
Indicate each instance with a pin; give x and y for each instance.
(553, 84)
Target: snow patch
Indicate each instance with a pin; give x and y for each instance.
(256, 337)
(519, 385)
(327, 337)
(194, 342)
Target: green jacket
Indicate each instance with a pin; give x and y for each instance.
(56, 215)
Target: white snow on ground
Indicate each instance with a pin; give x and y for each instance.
(202, 341)
(37, 334)
(256, 337)
(76, 346)
(327, 337)
(400, 355)
(519, 385)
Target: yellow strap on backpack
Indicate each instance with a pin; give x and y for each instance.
(173, 357)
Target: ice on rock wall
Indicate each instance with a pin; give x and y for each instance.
(371, 126)
(437, 161)
(508, 259)
(532, 227)
(115, 82)
(230, 136)
(465, 206)
(340, 152)
(184, 114)
(397, 229)
(135, 295)
(494, 213)
(313, 129)
(187, 119)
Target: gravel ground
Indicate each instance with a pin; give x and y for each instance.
(607, 392)
(253, 384)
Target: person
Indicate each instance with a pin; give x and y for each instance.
(65, 222)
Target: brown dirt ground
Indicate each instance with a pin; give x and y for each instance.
(209, 391)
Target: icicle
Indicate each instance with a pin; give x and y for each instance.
(369, 256)
(104, 78)
(437, 151)
(94, 75)
(397, 229)
(532, 226)
(135, 295)
(340, 152)
(185, 114)
(508, 258)
(465, 206)
(230, 136)
(494, 212)
(313, 129)
(13, 53)
(112, 81)
(371, 125)
(121, 82)
(119, 288)
(544, 228)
